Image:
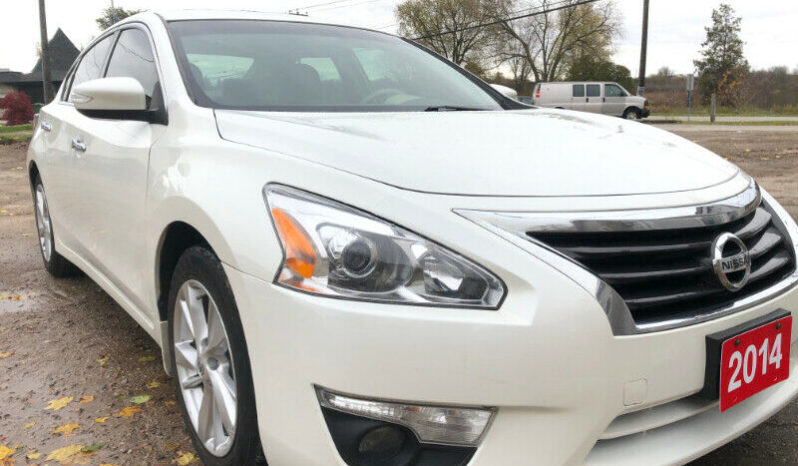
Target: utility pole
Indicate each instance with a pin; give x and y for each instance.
(641, 87)
(113, 12)
(47, 82)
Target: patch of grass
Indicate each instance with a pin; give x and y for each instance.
(7, 139)
(15, 129)
(723, 111)
(742, 123)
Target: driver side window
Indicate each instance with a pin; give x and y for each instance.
(611, 90)
(133, 57)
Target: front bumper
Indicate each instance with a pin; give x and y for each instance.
(564, 386)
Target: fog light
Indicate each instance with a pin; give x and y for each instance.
(443, 425)
(381, 443)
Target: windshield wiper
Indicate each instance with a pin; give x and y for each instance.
(451, 108)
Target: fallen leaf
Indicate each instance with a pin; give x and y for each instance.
(153, 384)
(129, 411)
(171, 446)
(186, 458)
(6, 354)
(100, 420)
(92, 448)
(55, 405)
(34, 456)
(63, 454)
(5, 452)
(139, 399)
(146, 358)
(86, 399)
(29, 425)
(170, 403)
(102, 361)
(66, 429)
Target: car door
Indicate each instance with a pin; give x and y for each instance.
(593, 99)
(111, 158)
(58, 169)
(614, 100)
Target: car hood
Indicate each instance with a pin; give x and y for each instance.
(537, 152)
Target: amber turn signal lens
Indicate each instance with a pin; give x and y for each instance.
(300, 257)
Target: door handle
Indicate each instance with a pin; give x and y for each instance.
(587, 99)
(79, 145)
(603, 99)
(47, 126)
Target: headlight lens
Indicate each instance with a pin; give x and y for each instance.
(335, 250)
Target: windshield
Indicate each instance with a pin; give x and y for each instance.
(273, 65)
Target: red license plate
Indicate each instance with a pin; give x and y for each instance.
(753, 361)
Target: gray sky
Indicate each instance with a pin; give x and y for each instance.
(676, 27)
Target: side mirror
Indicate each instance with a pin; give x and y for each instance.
(114, 98)
(505, 91)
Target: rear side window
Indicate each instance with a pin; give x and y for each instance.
(91, 65)
(594, 90)
(133, 57)
(579, 90)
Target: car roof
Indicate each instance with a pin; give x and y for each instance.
(197, 14)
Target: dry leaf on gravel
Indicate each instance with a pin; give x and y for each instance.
(186, 458)
(6, 354)
(129, 411)
(102, 361)
(55, 405)
(34, 455)
(5, 452)
(100, 420)
(29, 425)
(146, 358)
(153, 384)
(139, 399)
(86, 399)
(62, 455)
(66, 429)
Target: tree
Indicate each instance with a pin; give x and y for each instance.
(551, 42)
(18, 110)
(588, 68)
(722, 66)
(666, 72)
(439, 24)
(112, 15)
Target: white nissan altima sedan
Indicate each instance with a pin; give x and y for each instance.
(354, 252)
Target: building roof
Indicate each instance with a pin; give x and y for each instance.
(62, 54)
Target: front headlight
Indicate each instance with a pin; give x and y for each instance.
(335, 250)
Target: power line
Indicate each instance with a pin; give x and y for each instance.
(506, 20)
(351, 4)
(319, 4)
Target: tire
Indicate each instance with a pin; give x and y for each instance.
(55, 263)
(631, 113)
(217, 365)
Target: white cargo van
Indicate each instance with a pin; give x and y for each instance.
(595, 97)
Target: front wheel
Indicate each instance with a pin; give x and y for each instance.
(632, 114)
(213, 377)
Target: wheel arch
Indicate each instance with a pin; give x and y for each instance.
(33, 172)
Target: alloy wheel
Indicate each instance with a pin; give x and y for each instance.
(43, 224)
(205, 367)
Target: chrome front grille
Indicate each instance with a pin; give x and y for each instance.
(666, 274)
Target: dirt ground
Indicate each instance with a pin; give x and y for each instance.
(67, 339)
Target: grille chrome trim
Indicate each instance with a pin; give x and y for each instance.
(515, 226)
